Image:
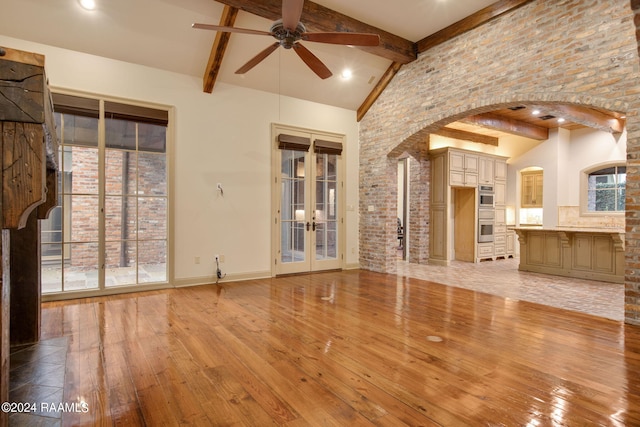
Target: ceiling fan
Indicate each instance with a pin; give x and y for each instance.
(288, 32)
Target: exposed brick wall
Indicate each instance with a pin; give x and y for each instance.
(632, 279)
(420, 192)
(143, 215)
(562, 51)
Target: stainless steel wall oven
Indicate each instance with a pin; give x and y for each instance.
(486, 197)
(486, 213)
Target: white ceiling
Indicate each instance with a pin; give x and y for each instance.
(158, 33)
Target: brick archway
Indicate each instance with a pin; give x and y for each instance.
(416, 145)
(492, 66)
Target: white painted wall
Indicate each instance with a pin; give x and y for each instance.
(563, 156)
(221, 137)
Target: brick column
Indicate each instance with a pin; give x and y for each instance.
(420, 191)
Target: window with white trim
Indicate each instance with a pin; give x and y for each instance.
(606, 189)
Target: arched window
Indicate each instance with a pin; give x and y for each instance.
(606, 189)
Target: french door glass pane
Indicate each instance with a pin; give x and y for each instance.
(326, 207)
(152, 218)
(152, 261)
(152, 174)
(120, 134)
(120, 217)
(120, 263)
(293, 209)
(152, 138)
(51, 268)
(81, 267)
(83, 221)
(120, 172)
(79, 130)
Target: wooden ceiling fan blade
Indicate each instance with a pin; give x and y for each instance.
(312, 61)
(352, 39)
(257, 59)
(291, 13)
(230, 29)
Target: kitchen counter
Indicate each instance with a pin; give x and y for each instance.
(587, 253)
(605, 230)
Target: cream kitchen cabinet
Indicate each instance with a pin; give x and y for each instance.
(500, 168)
(595, 254)
(463, 169)
(453, 225)
(500, 193)
(485, 170)
(532, 188)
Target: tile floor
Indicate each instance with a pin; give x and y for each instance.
(37, 377)
(501, 277)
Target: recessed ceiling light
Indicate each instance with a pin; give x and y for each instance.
(346, 74)
(560, 120)
(535, 112)
(88, 4)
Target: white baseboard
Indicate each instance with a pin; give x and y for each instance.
(233, 277)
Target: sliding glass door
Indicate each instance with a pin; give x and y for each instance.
(110, 226)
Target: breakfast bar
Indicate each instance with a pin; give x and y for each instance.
(586, 253)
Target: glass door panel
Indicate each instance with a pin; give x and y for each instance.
(113, 204)
(326, 213)
(120, 240)
(309, 212)
(79, 263)
(293, 209)
(153, 204)
(82, 268)
(152, 261)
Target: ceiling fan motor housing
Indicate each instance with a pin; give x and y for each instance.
(287, 38)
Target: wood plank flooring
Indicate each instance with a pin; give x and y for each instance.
(351, 348)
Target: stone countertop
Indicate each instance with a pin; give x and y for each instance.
(565, 229)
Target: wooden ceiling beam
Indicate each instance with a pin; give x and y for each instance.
(612, 123)
(319, 18)
(469, 23)
(508, 125)
(378, 89)
(467, 136)
(460, 27)
(218, 49)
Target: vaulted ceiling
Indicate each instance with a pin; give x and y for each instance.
(158, 33)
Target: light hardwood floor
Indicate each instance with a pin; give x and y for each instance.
(343, 349)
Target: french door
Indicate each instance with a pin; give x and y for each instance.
(308, 192)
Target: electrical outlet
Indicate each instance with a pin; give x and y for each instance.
(197, 260)
(222, 258)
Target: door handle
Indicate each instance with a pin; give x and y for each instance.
(309, 225)
(314, 226)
